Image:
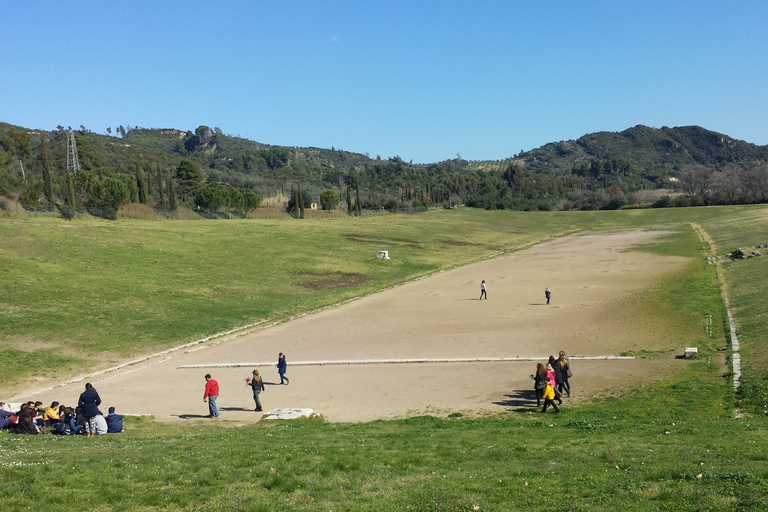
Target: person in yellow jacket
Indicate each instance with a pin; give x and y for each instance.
(549, 398)
(51, 416)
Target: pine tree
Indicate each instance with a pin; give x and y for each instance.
(160, 194)
(47, 187)
(358, 209)
(301, 203)
(141, 186)
(172, 203)
(294, 202)
(349, 202)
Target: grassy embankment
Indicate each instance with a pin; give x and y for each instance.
(747, 283)
(667, 446)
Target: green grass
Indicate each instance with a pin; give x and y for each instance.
(668, 445)
(747, 283)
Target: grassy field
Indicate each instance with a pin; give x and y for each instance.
(118, 289)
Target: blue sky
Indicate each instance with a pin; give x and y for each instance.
(424, 80)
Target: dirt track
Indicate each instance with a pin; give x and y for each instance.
(594, 286)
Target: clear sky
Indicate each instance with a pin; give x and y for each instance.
(424, 80)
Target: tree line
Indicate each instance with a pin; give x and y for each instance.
(207, 170)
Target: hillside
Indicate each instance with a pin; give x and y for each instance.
(658, 152)
(598, 170)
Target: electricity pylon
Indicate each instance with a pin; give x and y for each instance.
(73, 163)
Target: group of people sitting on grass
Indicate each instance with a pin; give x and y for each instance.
(86, 418)
(551, 381)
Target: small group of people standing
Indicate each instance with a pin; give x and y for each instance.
(551, 381)
(255, 382)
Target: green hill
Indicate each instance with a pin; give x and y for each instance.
(598, 170)
(657, 152)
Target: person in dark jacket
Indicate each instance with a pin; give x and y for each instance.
(114, 421)
(565, 369)
(558, 371)
(89, 401)
(26, 424)
(257, 384)
(79, 421)
(539, 382)
(5, 416)
(281, 366)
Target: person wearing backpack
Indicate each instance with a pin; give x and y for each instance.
(540, 380)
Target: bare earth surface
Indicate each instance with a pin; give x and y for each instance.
(594, 282)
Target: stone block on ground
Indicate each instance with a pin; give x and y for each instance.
(287, 414)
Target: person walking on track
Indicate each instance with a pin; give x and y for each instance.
(281, 366)
(482, 291)
(257, 384)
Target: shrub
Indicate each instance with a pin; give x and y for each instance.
(662, 202)
(329, 200)
(67, 212)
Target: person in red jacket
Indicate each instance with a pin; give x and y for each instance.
(211, 393)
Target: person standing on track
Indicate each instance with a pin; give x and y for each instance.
(482, 291)
(211, 393)
(281, 366)
(548, 295)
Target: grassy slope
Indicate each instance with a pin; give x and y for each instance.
(747, 281)
(667, 446)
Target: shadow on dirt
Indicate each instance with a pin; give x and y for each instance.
(521, 398)
(191, 416)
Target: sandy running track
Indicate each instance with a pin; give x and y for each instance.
(593, 281)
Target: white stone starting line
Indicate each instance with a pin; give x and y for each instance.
(401, 361)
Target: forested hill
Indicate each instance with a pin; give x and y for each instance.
(663, 152)
(599, 170)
